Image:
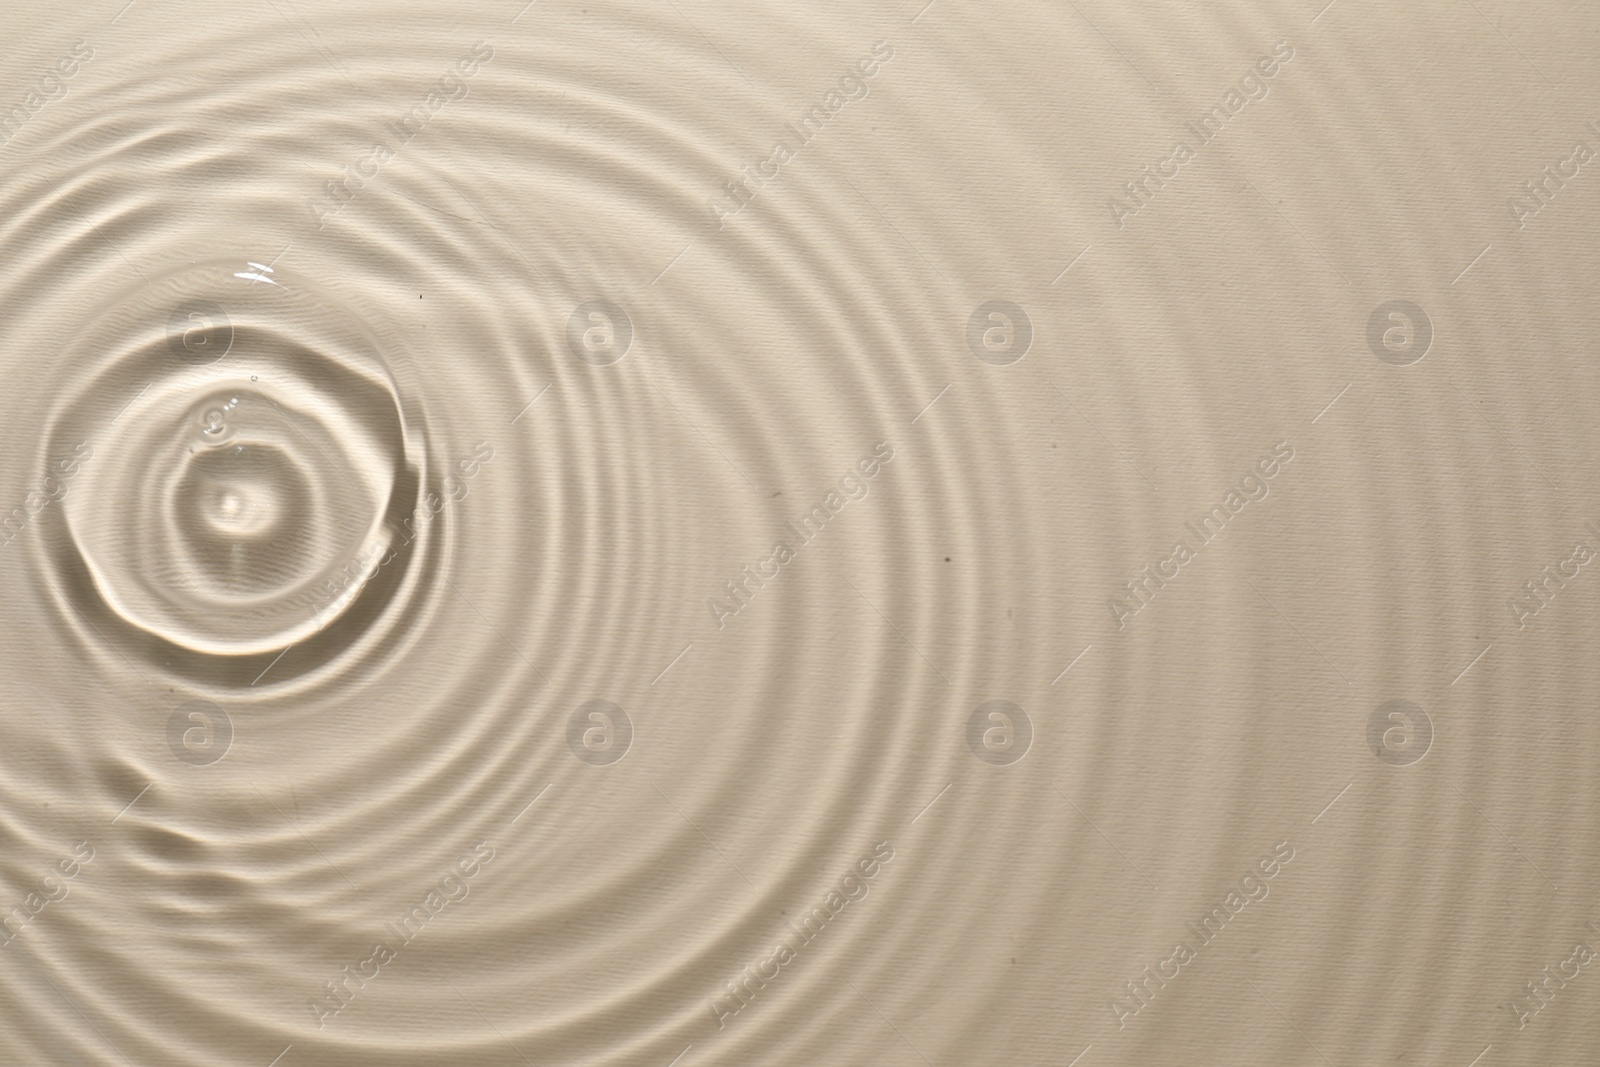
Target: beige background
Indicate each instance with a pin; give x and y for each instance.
(768, 357)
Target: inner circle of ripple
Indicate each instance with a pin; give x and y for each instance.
(225, 509)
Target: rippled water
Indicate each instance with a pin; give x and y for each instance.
(667, 534)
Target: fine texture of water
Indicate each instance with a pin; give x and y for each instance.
(677, 534)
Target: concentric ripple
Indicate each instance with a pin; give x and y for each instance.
(637, 534)
(244, 498)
